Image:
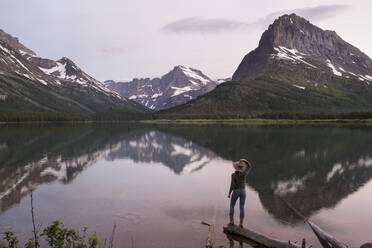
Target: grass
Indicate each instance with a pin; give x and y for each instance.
(251, 121)
(267, 94)
(260, 121)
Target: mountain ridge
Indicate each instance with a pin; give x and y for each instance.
(296, 67)
(31, 83)
(176, 87)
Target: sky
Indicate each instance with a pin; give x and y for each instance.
(122, 39)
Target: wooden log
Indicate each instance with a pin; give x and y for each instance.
(258, 238)
(241, 240)
(210, 239)
(210, 234)
(324, 238)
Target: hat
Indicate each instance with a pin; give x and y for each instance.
(245, 161)
(240, 166)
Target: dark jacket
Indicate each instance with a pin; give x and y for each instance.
(238, 179)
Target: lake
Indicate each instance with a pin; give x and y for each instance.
(157, 183)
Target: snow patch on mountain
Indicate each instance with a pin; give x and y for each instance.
(364, 77)
(368, 77)
(156, 95)
(360, 77)
(334, 70)
(26, 54)
(180, 90)
(59, 71)
(290, 54)
(300, 87)
(191, 73)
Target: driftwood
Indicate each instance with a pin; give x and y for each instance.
(326, 240)
(210, 234)
(210, 239)
(258, 238)
(241, 240)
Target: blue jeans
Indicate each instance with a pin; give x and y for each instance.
(237, 193)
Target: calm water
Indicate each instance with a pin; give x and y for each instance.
(158, 183)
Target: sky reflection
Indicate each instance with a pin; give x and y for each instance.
(157, 185)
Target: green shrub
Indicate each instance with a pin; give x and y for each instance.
(56, 236)
(11, 240)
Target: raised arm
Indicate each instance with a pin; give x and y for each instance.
(231, 185)
(248, 169)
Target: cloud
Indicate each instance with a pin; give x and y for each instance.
(204, 25)
(201, 25)
(115, 50)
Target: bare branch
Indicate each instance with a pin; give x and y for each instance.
(35, 230)
(111, 244)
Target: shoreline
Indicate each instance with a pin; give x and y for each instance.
(259, 121)
(253, 121)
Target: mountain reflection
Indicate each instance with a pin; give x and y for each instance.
(34, 155)
(178, 154)
(30, 156)
(310, 167)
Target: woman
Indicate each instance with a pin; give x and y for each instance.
(237, 187)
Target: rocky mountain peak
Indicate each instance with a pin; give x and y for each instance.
(293, 38)
(290, 31)
(195, 76)
(70, 66)
(291, 19)
(66, 70)
(179, 69)
(65, 60)
(14, 43)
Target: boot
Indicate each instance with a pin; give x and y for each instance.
(231, 220)
(241, 222)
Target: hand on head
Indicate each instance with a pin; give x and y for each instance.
(243, 160)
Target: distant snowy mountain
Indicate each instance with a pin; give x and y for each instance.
(66, 70)
(179, 86)
(29, 82)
